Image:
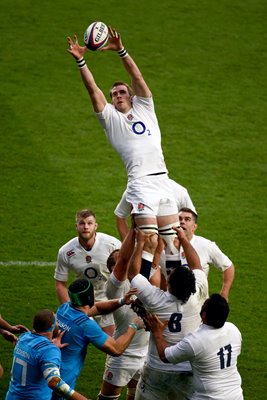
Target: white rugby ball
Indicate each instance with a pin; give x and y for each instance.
(96, 36)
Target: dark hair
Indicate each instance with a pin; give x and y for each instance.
(217, 310)
(186, 209)
(111, 261)
(119, 83)
(85, 213)
(182, 283)
(43, 320)
(81, 293)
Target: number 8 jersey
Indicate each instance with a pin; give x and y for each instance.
(182, 318)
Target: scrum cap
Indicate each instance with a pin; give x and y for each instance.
(81, 293)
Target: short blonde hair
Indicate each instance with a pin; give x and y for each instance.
(118, 83)
(81, 214)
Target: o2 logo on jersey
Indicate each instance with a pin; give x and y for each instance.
(92, 272)
(139, 128)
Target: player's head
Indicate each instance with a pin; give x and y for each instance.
(86, 224)
(215, 311)
(121, 83)
(85, 213)
(188, 221)
(44, 321)
(121, 95)
(182, 283)
(81, 293)
(112, 259)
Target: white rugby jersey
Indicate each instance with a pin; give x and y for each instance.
(209, 254)
(123, 316)
(84, 263)
(180, 193)
(135, 136)
(183, 318)
(213, 355)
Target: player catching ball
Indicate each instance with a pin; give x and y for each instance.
(130, 124)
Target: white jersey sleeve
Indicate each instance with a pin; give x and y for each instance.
(182, 351)
(209, 254)
(65, 253)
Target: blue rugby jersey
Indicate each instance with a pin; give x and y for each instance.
(31, 353)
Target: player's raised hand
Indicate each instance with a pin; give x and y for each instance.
(115, 42)
(180, 232)
(75, 49)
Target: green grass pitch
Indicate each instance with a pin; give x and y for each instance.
(205, 62)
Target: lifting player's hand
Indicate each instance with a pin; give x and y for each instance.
(128, 299)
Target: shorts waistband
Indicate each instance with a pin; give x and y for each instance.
(157, 173)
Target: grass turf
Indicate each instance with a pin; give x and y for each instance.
(206, 65)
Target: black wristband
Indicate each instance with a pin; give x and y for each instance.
(81, 63)
(123, 53)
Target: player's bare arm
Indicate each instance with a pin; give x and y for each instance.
(120, 270)
(97, 96)
(228, 278)
(190, 253)
(108, 306)
(115, 347)
(138, 83)
(62, 291)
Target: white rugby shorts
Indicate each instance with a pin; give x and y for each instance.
(119, 371)
(151, 195)
(168, 385)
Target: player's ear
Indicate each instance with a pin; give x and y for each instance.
(96, 226)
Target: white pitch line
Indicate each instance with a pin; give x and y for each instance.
(39, 263)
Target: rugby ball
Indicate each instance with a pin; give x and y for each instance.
(96, 36)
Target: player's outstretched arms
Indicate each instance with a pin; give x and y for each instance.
(97, 96)
(138, 83)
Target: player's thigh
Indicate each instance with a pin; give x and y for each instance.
(164, 220)
(108, 389)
